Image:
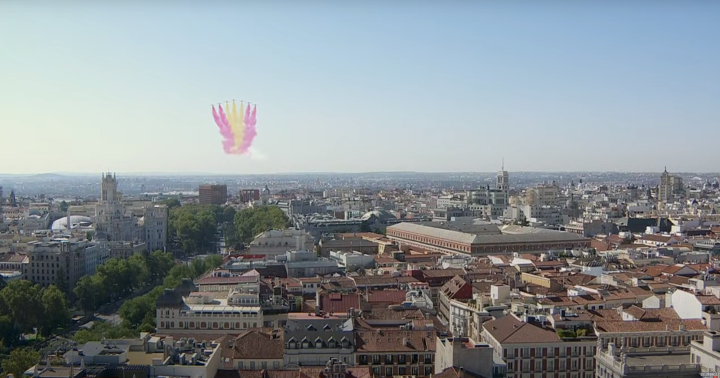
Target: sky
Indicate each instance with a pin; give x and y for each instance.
(367, 86)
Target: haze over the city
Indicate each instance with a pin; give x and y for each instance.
(372, 86)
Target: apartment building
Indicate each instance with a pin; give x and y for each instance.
(395, 351)
(532, 349)
(213, 194)
(47, 261)
(312, 340)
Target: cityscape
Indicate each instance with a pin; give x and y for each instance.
(378, 274)
(318, 189)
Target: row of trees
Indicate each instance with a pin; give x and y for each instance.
(195, 228)
(251, 222)
(28, 308)
(118, 278)
(139, 313)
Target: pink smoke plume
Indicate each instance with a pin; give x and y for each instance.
(225, 130)
(250, 131)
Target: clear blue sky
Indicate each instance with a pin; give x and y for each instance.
(375, 86)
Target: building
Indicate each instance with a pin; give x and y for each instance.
(272, 243)
(440, 238)
(391, 350)
(670, 187)
(213, 194)
(640, 342)
(247, 195)
(185, 310)
(117, 222)
(312, 340)
(467, 355)
(706, 352)
(50, 262)
(255, 350)
(534, 349)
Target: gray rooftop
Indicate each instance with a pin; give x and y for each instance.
(437, 231)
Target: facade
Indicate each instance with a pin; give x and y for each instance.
(439, 239)
(532, 349)
(396, 352)
(47, 262)
(116, 222)
(199, 312)
(463, 352)
(247, 195)
(670, 187)
(312, 340)
(706, 352)
(670, 362)
(213, 194)
(273, 243)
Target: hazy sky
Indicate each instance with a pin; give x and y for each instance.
(375, 86)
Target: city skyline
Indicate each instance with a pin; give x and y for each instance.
(439, 87)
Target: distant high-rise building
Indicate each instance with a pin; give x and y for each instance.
(247, 195)
(503, 180)
(670, 186)
(213, 194)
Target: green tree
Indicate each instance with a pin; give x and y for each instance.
(89, 235)
(20, 360)
(55, 310)
(21, 300)
(9, 332)
(172, 203)
(90, 292)
(61, 282)
(64, 206)
(253, 221)
(102, 330)
(140, 270)
(194, 226)
(117, 277)
(159, 264)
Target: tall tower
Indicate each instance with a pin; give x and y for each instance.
(108, 188)
(503, 179)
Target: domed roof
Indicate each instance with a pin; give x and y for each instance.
(382, 215)
(75, 221)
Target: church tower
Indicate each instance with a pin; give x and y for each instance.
(108, 186)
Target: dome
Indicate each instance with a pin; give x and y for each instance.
(75, 222)
(382, 215)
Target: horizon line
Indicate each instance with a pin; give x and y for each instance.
(180, 173)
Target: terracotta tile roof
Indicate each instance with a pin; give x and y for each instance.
(648, 320)
(679, 280)
(253, 345)
(656, 270)
(656, 238)
(511, 330)
(339, 302)
(453, 287)
(443, 273)
(708, 299)
(394, 341)
(387, 296)
(393, 314)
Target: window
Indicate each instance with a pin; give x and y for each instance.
(388, 372)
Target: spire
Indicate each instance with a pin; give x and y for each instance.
(503, 164)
